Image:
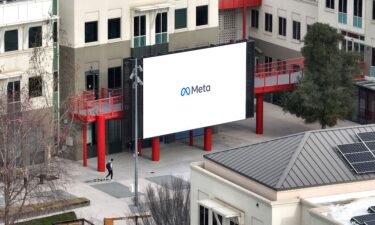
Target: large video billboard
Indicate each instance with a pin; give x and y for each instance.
(194, 89)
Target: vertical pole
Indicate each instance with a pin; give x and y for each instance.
(101, 143)
(84, 144)
(155, 149)
(191, 138)
(259, 114)
(136, 134)
(244, 21)
(207, 139)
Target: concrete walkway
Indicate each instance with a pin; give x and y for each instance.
(111, 199)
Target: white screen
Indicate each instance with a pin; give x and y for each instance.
(166, 111)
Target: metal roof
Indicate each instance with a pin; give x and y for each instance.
(297, 161)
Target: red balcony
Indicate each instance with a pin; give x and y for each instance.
(86, 108)
(233, 4)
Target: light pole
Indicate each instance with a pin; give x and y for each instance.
(137, 80)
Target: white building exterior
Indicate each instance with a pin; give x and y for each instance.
(295, 180)
(19, 20)
(355, 22)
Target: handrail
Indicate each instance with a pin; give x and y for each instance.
(68, 222)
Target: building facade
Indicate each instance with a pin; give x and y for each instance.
(292, 180)
(97, 35)
(29, 62)
(278, 27)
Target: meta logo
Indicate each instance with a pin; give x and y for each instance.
(195, 89)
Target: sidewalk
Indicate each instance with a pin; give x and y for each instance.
(111, 199)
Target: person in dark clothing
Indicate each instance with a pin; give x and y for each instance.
(109, 167)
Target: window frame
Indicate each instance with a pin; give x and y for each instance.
(358, 6)
(117, 33)
(255, 18)
(343, 6)
(373, 9)
(38, 91)
(296, 30)
(204, 20)
(175, 18)
(282, 26)
(268, 22)
(114, 73)
(39, 42)
(330, 4)
(15, 41)
(94, 37)
(139, 30)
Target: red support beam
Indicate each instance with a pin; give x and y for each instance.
(259, 114)
(84, 145)
(244, 22)
(101, 143)
(207, 139)
(155, 149)
(191, 138)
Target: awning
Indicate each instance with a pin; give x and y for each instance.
(152, 7)
(220, 208)
(12, 74)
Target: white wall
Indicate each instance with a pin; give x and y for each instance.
(74, 14)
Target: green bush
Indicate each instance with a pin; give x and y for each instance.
(50, 219)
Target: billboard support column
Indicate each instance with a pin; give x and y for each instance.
(191, 138)
(84, 145)
(207, 139)
(259, 114)
(101, 143)
(155, 149)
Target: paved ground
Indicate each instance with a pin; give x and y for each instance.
(112, 199)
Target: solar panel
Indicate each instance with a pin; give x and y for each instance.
(365, 167)
(352, 148)
(370, 145)
(371, 209)
(367, 136)
(363, 218)
(359, 157)
(370, 223)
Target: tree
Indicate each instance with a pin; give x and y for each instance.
(325, 93)
(168, 204)
(31, 168)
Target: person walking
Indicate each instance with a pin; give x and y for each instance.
(109, 167)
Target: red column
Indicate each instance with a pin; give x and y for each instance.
(259, 114)
(244, 22)
(139, 147)
(191, 138)
(84, 145)
(155, 149)
(207, 139)
(101, 143)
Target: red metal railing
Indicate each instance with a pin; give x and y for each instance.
(232, 4)
(85, 107)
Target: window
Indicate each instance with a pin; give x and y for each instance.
(373, 9)
(35, 37)
(373, 57)
(11, 40)
(13, 91)
(201, 15)
(268, 22)
(180, 18)
(217, 219)
(282, 26)
(357, 8)
(254, 18)
(203, 215)
(139, 31)
(114, 28)
(55, 34)
(268, 60)
(35, 87)
(343, 5)
(114, 77)
(161, 26)
(91, 31)
(296, 30)
(55, 81)
(330, 4)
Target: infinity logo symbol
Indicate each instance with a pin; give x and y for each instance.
(185, 91)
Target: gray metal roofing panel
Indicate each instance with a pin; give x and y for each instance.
(263, 162)
(296, 161)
